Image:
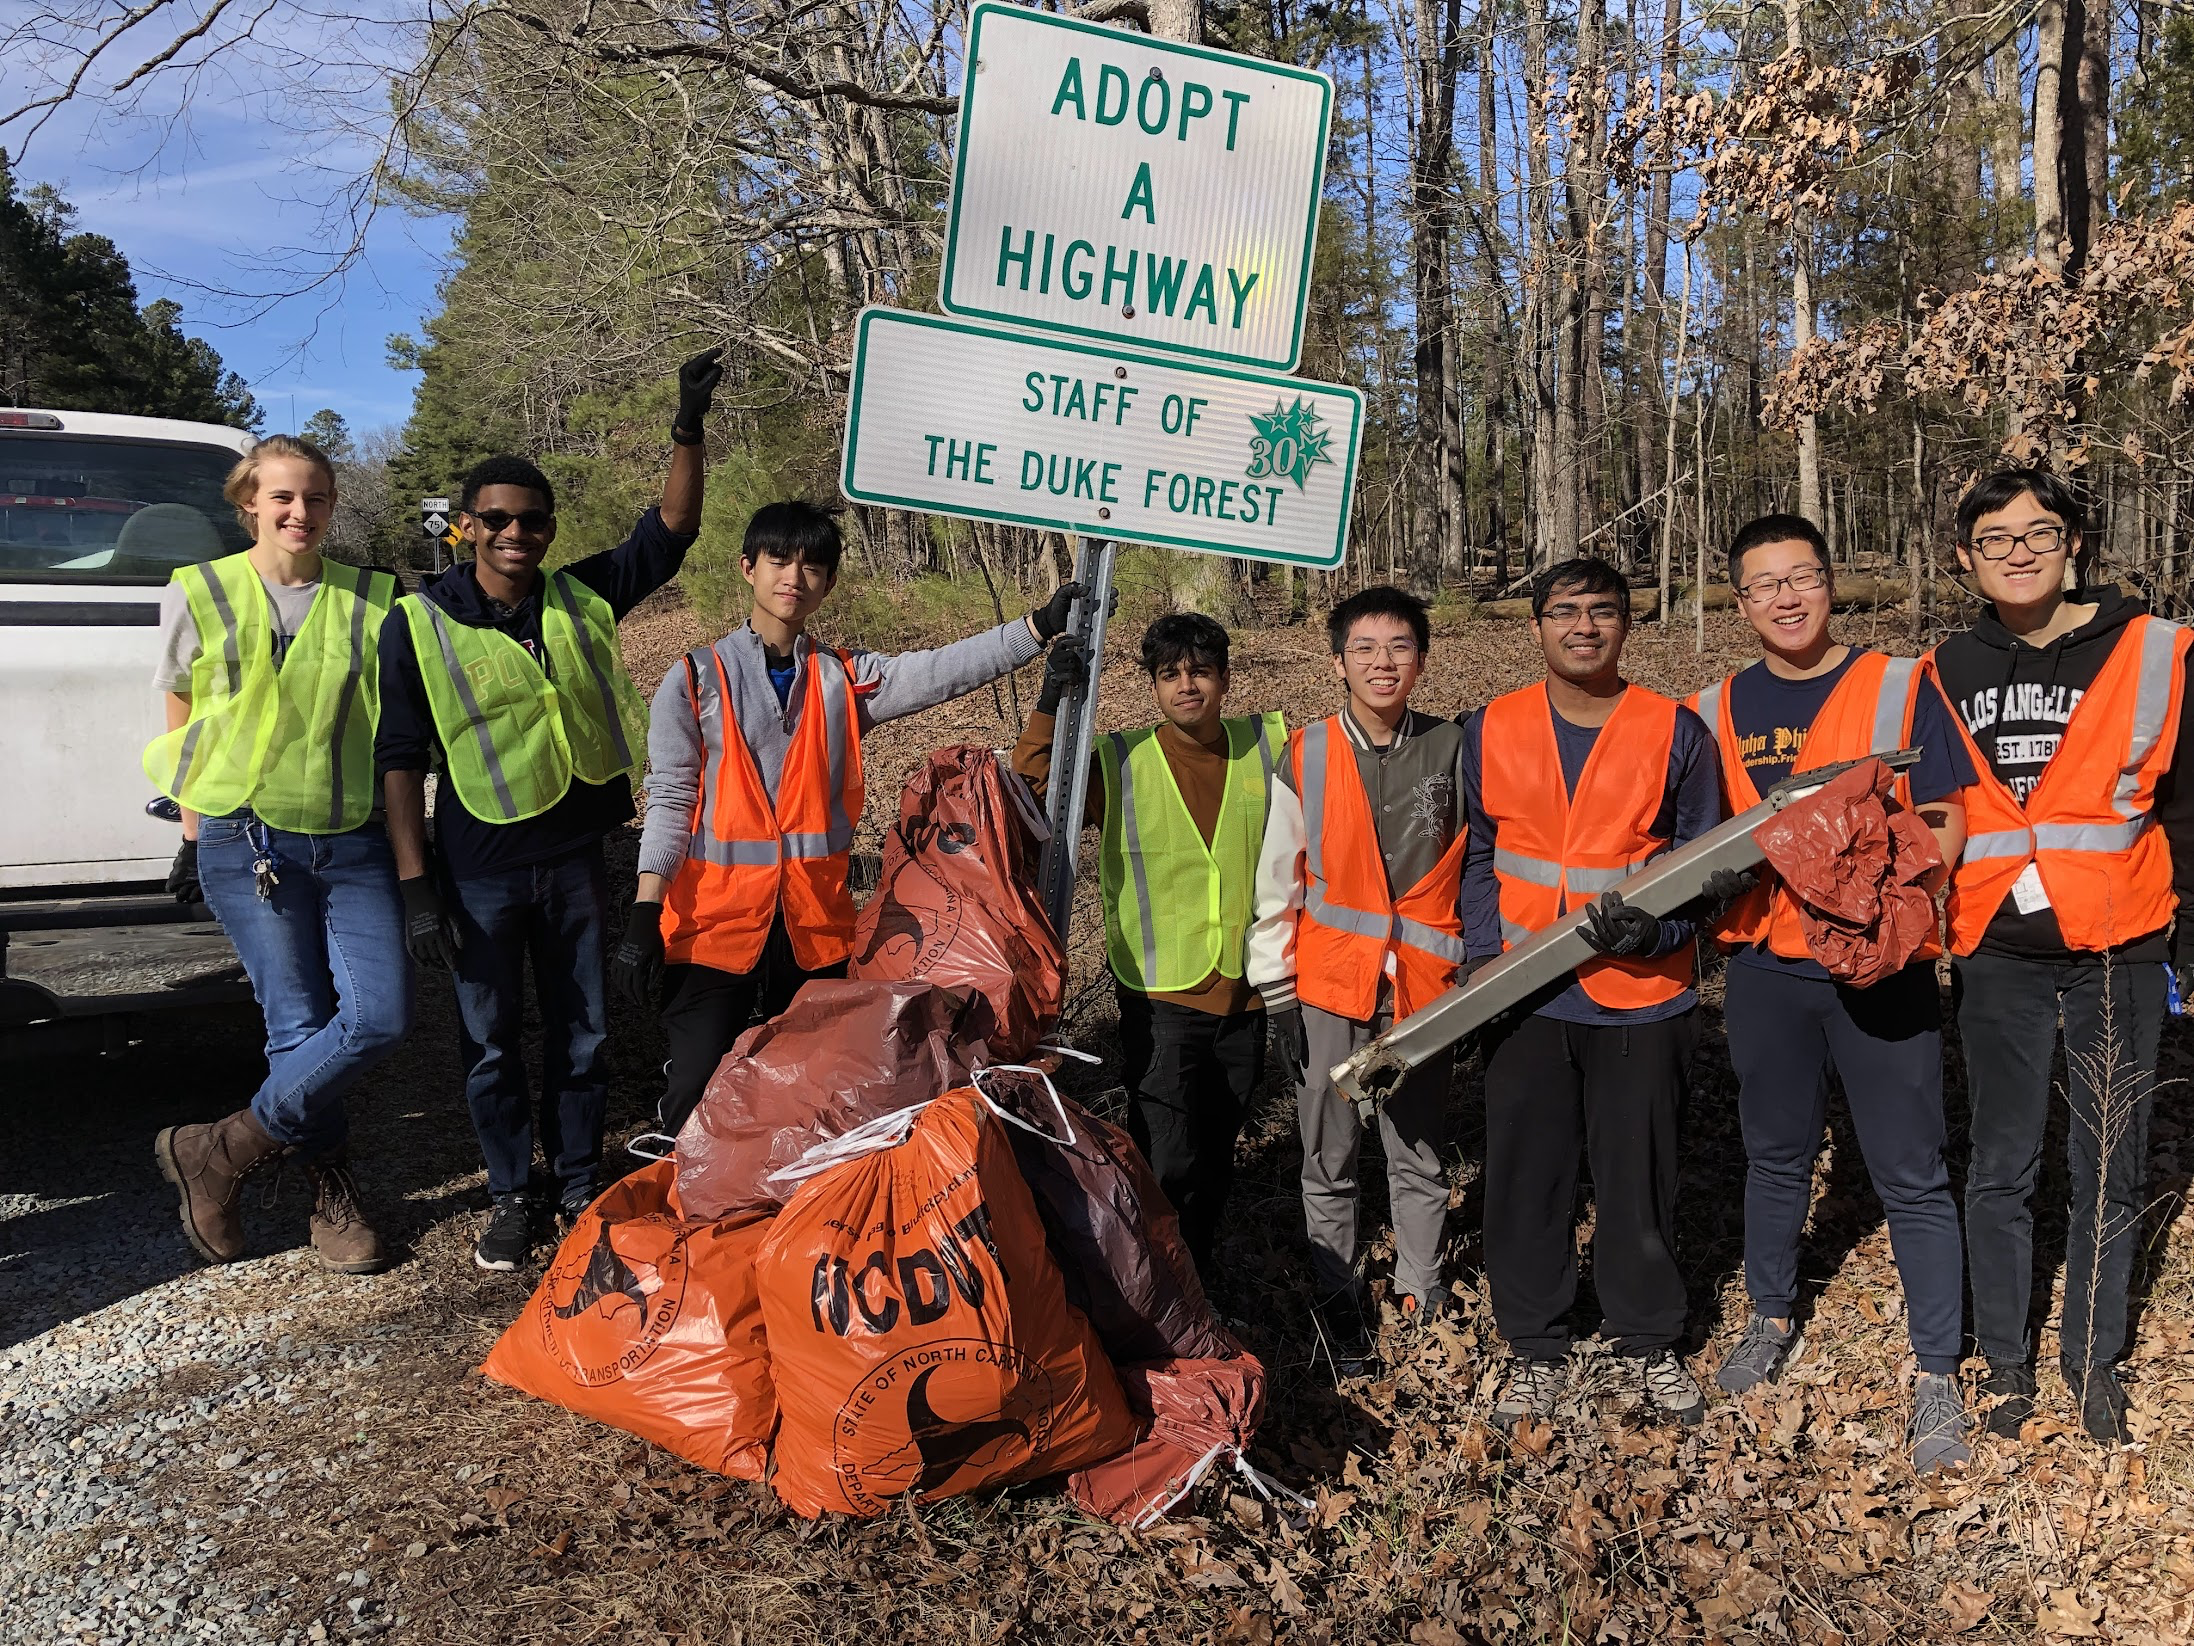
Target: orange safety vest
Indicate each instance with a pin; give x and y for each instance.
(2087, 826)
(1553, 851)
(1869, 712)
(1353, 931)
(746, 859)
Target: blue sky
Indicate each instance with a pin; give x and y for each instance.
(228, 196)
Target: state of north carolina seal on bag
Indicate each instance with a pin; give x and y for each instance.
(649, 1321)
(919, 1330)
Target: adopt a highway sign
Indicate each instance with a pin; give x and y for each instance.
(989, 423)
(1113, 186)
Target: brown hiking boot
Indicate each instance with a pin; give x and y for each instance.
(208, 1165)
(341, 1236)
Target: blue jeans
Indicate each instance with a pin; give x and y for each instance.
(554, 913)
(326, 958)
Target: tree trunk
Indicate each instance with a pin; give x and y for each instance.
(1437, 58)
(1801, 311)
(1545, 484)
(2049, 134)
(1653, 345)
(2093, 84)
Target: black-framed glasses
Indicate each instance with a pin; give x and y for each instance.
(2040, 539)
(1803, 581)
(533, 522)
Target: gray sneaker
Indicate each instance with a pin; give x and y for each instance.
(1667, 1386)
(1759, 1355)
(1939, 1423)
(1532, 1389)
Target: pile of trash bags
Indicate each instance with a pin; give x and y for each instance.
(887, 1256)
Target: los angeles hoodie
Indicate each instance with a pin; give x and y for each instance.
(2015, 700)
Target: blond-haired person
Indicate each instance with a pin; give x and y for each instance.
(270, 676)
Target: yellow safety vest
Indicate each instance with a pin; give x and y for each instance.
(512, 737)
(294, 743)
(1177, 910)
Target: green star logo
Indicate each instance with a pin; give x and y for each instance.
(1288, 442)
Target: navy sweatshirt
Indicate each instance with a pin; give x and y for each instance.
(407, 741)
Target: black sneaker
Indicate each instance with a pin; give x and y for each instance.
(1668, 1389)
(2102, 1403)
(1759, 1355)
(2011, 1389)
(1344, 1337)
(569, 1212)
(507, 1241)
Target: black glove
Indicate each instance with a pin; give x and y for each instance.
(1623, 930)
(636, 964)
(2182, 970)
(1722, 889)
(1050, 619)
(697, 380)
(429, 932)
(183, 875)
(1064, 670)
(1293, 1043)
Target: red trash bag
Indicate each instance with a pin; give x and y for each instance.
(651, 1323)
(957, 905)
(841, 1054)
(919, 1332)
(1117, 1240)
(1200, 1413)
(1854, 858)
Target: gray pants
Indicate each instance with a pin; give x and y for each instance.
(1412, 1128)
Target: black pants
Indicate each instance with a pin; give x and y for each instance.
(1785, 1031)
(705, 1010)
(2007, 1014)
(1615, 1093)
(1190, 1076)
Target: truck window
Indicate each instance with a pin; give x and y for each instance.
(87, 510)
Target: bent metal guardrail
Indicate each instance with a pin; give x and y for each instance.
(1662, 887)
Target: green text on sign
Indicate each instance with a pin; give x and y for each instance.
(955, 417)
(1109, 185)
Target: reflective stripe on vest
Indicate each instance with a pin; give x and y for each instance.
(476, 722)
(1767, 913)
(703, 846)
(2085, 827)
(1606, 825)
(1385, 928)
(516, 729)
(295, 742)
(2151, 704)
(1127, 854)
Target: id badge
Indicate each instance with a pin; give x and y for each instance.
(2028, 895)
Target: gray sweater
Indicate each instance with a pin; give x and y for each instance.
(885, 688)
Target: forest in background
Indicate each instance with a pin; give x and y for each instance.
(1613, 277)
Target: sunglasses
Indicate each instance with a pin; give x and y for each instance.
(533, 522)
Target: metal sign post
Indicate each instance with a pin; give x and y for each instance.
(1075, 733)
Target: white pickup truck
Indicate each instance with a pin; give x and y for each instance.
(96, 512)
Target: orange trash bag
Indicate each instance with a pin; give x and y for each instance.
(1201, 1414)
(918, 1328)
(650, 1322)
(1854, 858)
(957, 903)
(840, 1055)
